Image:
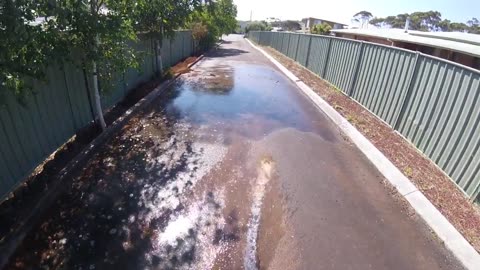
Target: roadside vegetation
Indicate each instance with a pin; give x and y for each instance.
(96, 36)
(321, 29)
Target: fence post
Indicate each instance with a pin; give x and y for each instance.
(308, 50)
(281, 45)
(183, 45)
(298, 45)
(407, 94)
(324, 73)
(475, 194)
(288, 46)
(357, 69)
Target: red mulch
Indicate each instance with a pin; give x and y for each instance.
(431, 180)
(182, 67)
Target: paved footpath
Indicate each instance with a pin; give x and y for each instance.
(231, 168)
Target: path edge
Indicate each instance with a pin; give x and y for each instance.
(446, 232)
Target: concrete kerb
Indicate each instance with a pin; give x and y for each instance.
(446, 232)
(8, 248)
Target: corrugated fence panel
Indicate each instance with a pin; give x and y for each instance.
(430, 101)
(187, 45)
(279, 42)
(292, 48)
(112, 93)
(58, 108)
(340, 65)
(441, 118)
(276, 41)
(382, 80)
(31, 131)
(302, 53)
(78, 93)
(270, 39)
(285, 42)
(167, 58)
(177, 48)
(318, 54)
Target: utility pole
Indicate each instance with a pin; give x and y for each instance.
(251, 14)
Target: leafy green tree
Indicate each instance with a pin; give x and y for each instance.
(25, 48)
(363, 17)
(98, 32)
(391, 21)
(458, 27)
(321, 29)
(160, 18)
(474, 26)
(427, 21)
(257, 26)
(94, 34)
(225, 14)
(218, 17)
(444, 25)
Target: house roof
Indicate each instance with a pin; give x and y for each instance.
(458, 42)
(304, 19)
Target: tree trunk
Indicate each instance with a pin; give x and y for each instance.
(158, 49)
(98, 102)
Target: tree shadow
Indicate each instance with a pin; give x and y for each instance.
(225, 52)
(118, 203)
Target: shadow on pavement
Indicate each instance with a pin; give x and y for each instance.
(224, 52)
(114, 209)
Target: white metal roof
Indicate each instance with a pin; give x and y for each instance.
(458, 42)
(453, 36)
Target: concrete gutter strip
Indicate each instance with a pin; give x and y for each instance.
(452, 239)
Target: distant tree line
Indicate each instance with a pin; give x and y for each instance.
(287, 25)
(427, 21)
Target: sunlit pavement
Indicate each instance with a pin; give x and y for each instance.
(231, 168)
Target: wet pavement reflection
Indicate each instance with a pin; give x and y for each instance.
(134, 205)
(206, 177)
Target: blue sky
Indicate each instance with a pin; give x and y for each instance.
(342, 10)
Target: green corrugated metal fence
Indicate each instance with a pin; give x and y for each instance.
(29, 133)
(430, 101)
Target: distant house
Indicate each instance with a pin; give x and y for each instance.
(458, 47)
(310, 22)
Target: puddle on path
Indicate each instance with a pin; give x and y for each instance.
(178, 188)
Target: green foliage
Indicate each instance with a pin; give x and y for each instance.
(24, 46)
(287, 25)
(95, 31)
(159, 18)
(257, 26)
(363, 17)
(321, 29)
(427, 21)
(199, 31)
(225, 16)
(217, 17)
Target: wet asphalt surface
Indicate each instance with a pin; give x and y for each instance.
(231, 168)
